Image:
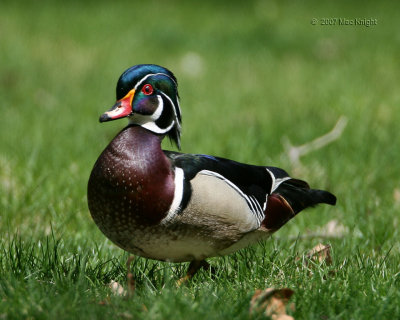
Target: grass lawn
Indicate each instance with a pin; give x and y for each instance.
(251, 75)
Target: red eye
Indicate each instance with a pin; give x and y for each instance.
(147, 89)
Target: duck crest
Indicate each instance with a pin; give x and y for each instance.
(131, 185)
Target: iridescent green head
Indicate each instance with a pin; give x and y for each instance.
(148, 95)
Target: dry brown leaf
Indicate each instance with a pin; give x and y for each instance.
(320, 253)
(104, 302)
(273, 301)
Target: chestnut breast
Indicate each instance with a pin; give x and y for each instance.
(131, 184)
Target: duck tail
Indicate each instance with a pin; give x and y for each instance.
(299, 195)
(291, 197)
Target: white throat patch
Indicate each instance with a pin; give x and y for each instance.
(149, 122)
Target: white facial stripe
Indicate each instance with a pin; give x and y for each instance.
(156, 114)
(152, 74)
(179, 106)
(148, 122)
(178, 194)
(154, 128)
(173, 107)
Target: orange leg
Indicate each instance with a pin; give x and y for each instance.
(194, 266)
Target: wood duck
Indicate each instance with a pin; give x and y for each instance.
(180, 207)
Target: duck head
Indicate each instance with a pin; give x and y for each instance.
(147, 95)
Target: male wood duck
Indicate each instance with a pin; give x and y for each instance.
(180, 207)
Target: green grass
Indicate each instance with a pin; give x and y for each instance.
(249, 75)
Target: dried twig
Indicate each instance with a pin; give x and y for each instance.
(295, 152)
